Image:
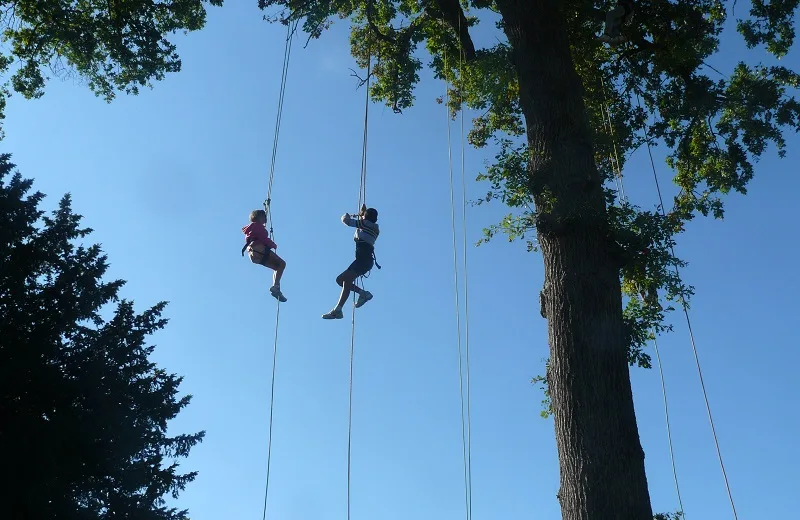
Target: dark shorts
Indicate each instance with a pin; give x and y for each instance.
(363, 262)
(261, 258)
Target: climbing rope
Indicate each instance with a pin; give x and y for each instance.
(465, 416)
(466, 274)
(287, 51)
(362, 199)
(607, 120)
(290, 29)
(685, 306)
(666, 416)
(271, 406)
(362, 192)
(614, 159)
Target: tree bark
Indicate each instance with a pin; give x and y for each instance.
(600, 454)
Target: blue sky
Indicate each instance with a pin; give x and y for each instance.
(167, 180)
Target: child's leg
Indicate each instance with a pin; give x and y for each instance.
(278, 264)
(346, 280)
(355, 288)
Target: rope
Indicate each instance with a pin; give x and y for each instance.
(286, 54)
(362, 193)
(271, 407)
(666, 416)
(362, 197)
(621, 189)
(350, 408)
(691, 333)
(464, 421)
(287, 50)
(466, 278)
(615, 164)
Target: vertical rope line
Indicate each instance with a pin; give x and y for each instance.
(669, 429)
(362, 197)
(620, 184)
(685, 306)
(466, 276)
(271, 407)
(290, 29)
(287, 51)
(457, 302)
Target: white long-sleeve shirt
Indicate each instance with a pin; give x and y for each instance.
(366, 230)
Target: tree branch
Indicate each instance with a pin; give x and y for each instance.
(450, 11)
(375, 29)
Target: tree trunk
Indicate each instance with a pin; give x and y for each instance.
(600, 455)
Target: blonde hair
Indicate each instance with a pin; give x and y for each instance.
(257, 214)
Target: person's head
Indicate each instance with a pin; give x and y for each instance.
(371, 214)
(259, 216)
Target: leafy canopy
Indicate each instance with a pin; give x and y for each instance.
(657, 88)
(115, 45)
(83, 411)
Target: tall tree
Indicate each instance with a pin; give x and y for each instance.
(83, 411)
(114, 45)
(545, 90)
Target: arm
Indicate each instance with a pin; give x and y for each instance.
(262, 236)
(349, 220)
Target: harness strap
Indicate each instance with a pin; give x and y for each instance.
(264, 255)
(372, 252)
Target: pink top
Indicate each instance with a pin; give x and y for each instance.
(255, 232)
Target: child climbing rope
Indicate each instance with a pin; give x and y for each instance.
(259, 246)
(366, 224)
(615, 19)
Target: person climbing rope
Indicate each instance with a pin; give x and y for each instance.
(615, 19)
(259, 246)
(367, 231)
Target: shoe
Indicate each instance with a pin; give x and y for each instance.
(335, 314)
(363, 298)
(277, 294)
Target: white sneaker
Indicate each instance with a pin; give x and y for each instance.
(335, 314)
(277, 294)
(363, 298)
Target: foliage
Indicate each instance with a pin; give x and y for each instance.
(669, 516)
(656, 89)
(83, 411)
(115, 45)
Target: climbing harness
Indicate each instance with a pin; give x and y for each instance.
(290, 30)
(264, 255)
(463, 356)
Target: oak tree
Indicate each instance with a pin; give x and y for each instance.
(558, 105)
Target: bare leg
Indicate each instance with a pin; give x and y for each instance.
(346, 280)
(278, 264)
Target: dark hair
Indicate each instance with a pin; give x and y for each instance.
(372, 214)
(256, 213)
